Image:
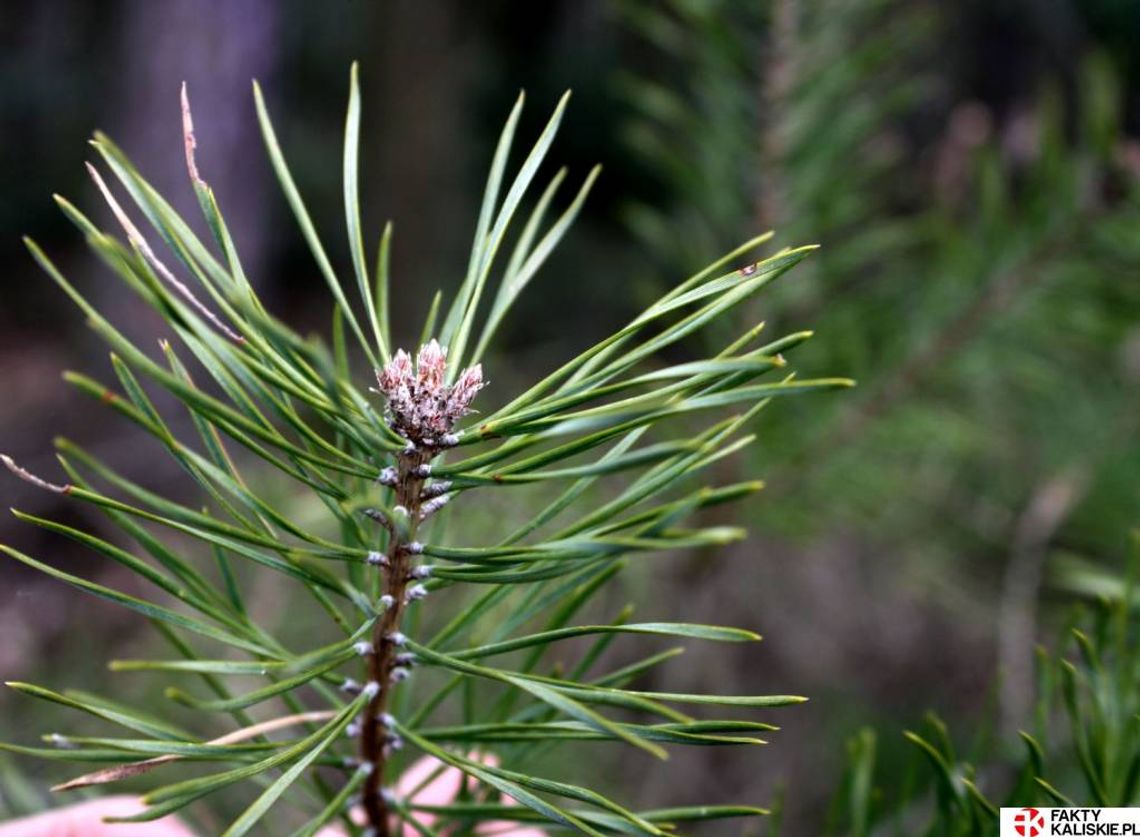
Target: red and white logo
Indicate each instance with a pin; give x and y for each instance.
(1028, 822)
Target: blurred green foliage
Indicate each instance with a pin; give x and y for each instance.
(979, 282)
(1084, 749)
(979, 278)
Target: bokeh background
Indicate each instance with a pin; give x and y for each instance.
(970, 169)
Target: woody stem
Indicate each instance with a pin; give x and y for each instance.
(373, 738)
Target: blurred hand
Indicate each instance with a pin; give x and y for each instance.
(86, 818)
(441, 790)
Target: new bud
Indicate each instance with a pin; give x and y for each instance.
(421, 407)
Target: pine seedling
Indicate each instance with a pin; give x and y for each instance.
(406, 622)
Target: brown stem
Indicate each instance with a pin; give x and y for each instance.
(779, 81)
(373, 737)
(1048, 508)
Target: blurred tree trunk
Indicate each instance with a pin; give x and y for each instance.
(217, 47)
(422, 68)
(148, 49)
